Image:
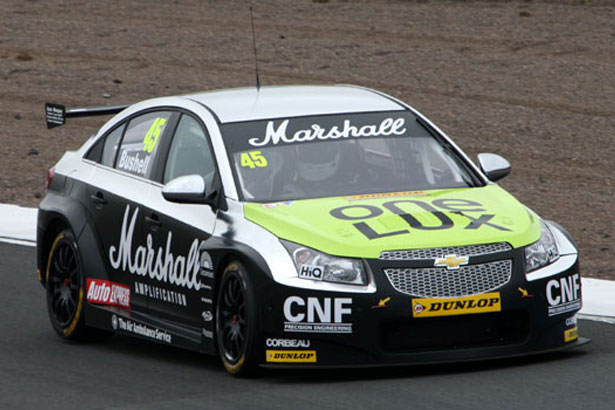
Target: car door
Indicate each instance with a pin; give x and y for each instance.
(117, 188)
(183, 291)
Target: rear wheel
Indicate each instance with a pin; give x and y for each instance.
(237, 321)
(65, 291)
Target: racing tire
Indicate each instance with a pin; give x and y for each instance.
(237, 322)
(65, 289)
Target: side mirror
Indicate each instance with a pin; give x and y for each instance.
(186, 189)
(493, 166)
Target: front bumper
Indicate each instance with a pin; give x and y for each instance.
(314, 328)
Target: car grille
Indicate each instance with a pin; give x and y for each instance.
(491, 329)
(440, 282)
(433, 253)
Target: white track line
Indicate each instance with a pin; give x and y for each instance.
(18, 226)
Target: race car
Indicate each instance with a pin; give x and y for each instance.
(298, 226)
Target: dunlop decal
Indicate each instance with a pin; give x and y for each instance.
(431, 307)
(291, 356)
(571, 334)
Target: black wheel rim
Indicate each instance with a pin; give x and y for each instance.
(63, 284)
(232, 323)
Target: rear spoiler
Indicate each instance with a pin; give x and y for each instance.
(56, 114)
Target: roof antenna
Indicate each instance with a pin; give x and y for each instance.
(258, 82)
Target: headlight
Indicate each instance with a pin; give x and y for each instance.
(315, 265)
(542, 252)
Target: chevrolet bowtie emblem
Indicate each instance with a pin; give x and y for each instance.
(451, 262)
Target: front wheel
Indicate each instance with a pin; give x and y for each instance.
(237, 322)
(65, 291)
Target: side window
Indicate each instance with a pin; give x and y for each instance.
(190, 153)
(105, 148)
(141, 142)
(110, 148)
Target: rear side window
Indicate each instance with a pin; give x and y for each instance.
(105, 148)
(110, 145)
(190, 153)
(141, 142)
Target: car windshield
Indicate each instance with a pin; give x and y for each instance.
(342, 154)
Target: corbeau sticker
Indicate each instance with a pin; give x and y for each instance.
(109, 293)
(318, 315)
(564, 294)
(571, 334)
(291, 356)
(287, 342)
(430, 307)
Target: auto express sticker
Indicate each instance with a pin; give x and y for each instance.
(317, 315)
(564, 294)
(105, 292)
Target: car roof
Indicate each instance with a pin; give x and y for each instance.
(246, 104)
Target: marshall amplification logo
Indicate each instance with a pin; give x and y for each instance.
(159, 264)
(451, 262)
(109, 293)
(387, 127)
(291, 356)
(430, 307)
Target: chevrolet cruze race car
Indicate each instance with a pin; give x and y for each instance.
(298, 226)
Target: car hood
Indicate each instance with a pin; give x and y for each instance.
(364, 225)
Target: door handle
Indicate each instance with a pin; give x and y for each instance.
(98, 199)
(153, 222)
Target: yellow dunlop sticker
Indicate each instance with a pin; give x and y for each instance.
(430, 307)
(253, 159)
(571, 334)
(384, 195)
(291, 356)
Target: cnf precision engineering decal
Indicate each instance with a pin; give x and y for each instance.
(104, 292)
(161, 264)
(364, 212)
(317, 315)
(387, 127)
(564, 294)
(430, 307)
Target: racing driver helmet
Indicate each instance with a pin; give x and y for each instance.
(317, 161)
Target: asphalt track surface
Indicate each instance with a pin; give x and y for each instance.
(39, 371)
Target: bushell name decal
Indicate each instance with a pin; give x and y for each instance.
(160, 264)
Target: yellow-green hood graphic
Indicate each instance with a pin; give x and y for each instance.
(365, 225)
